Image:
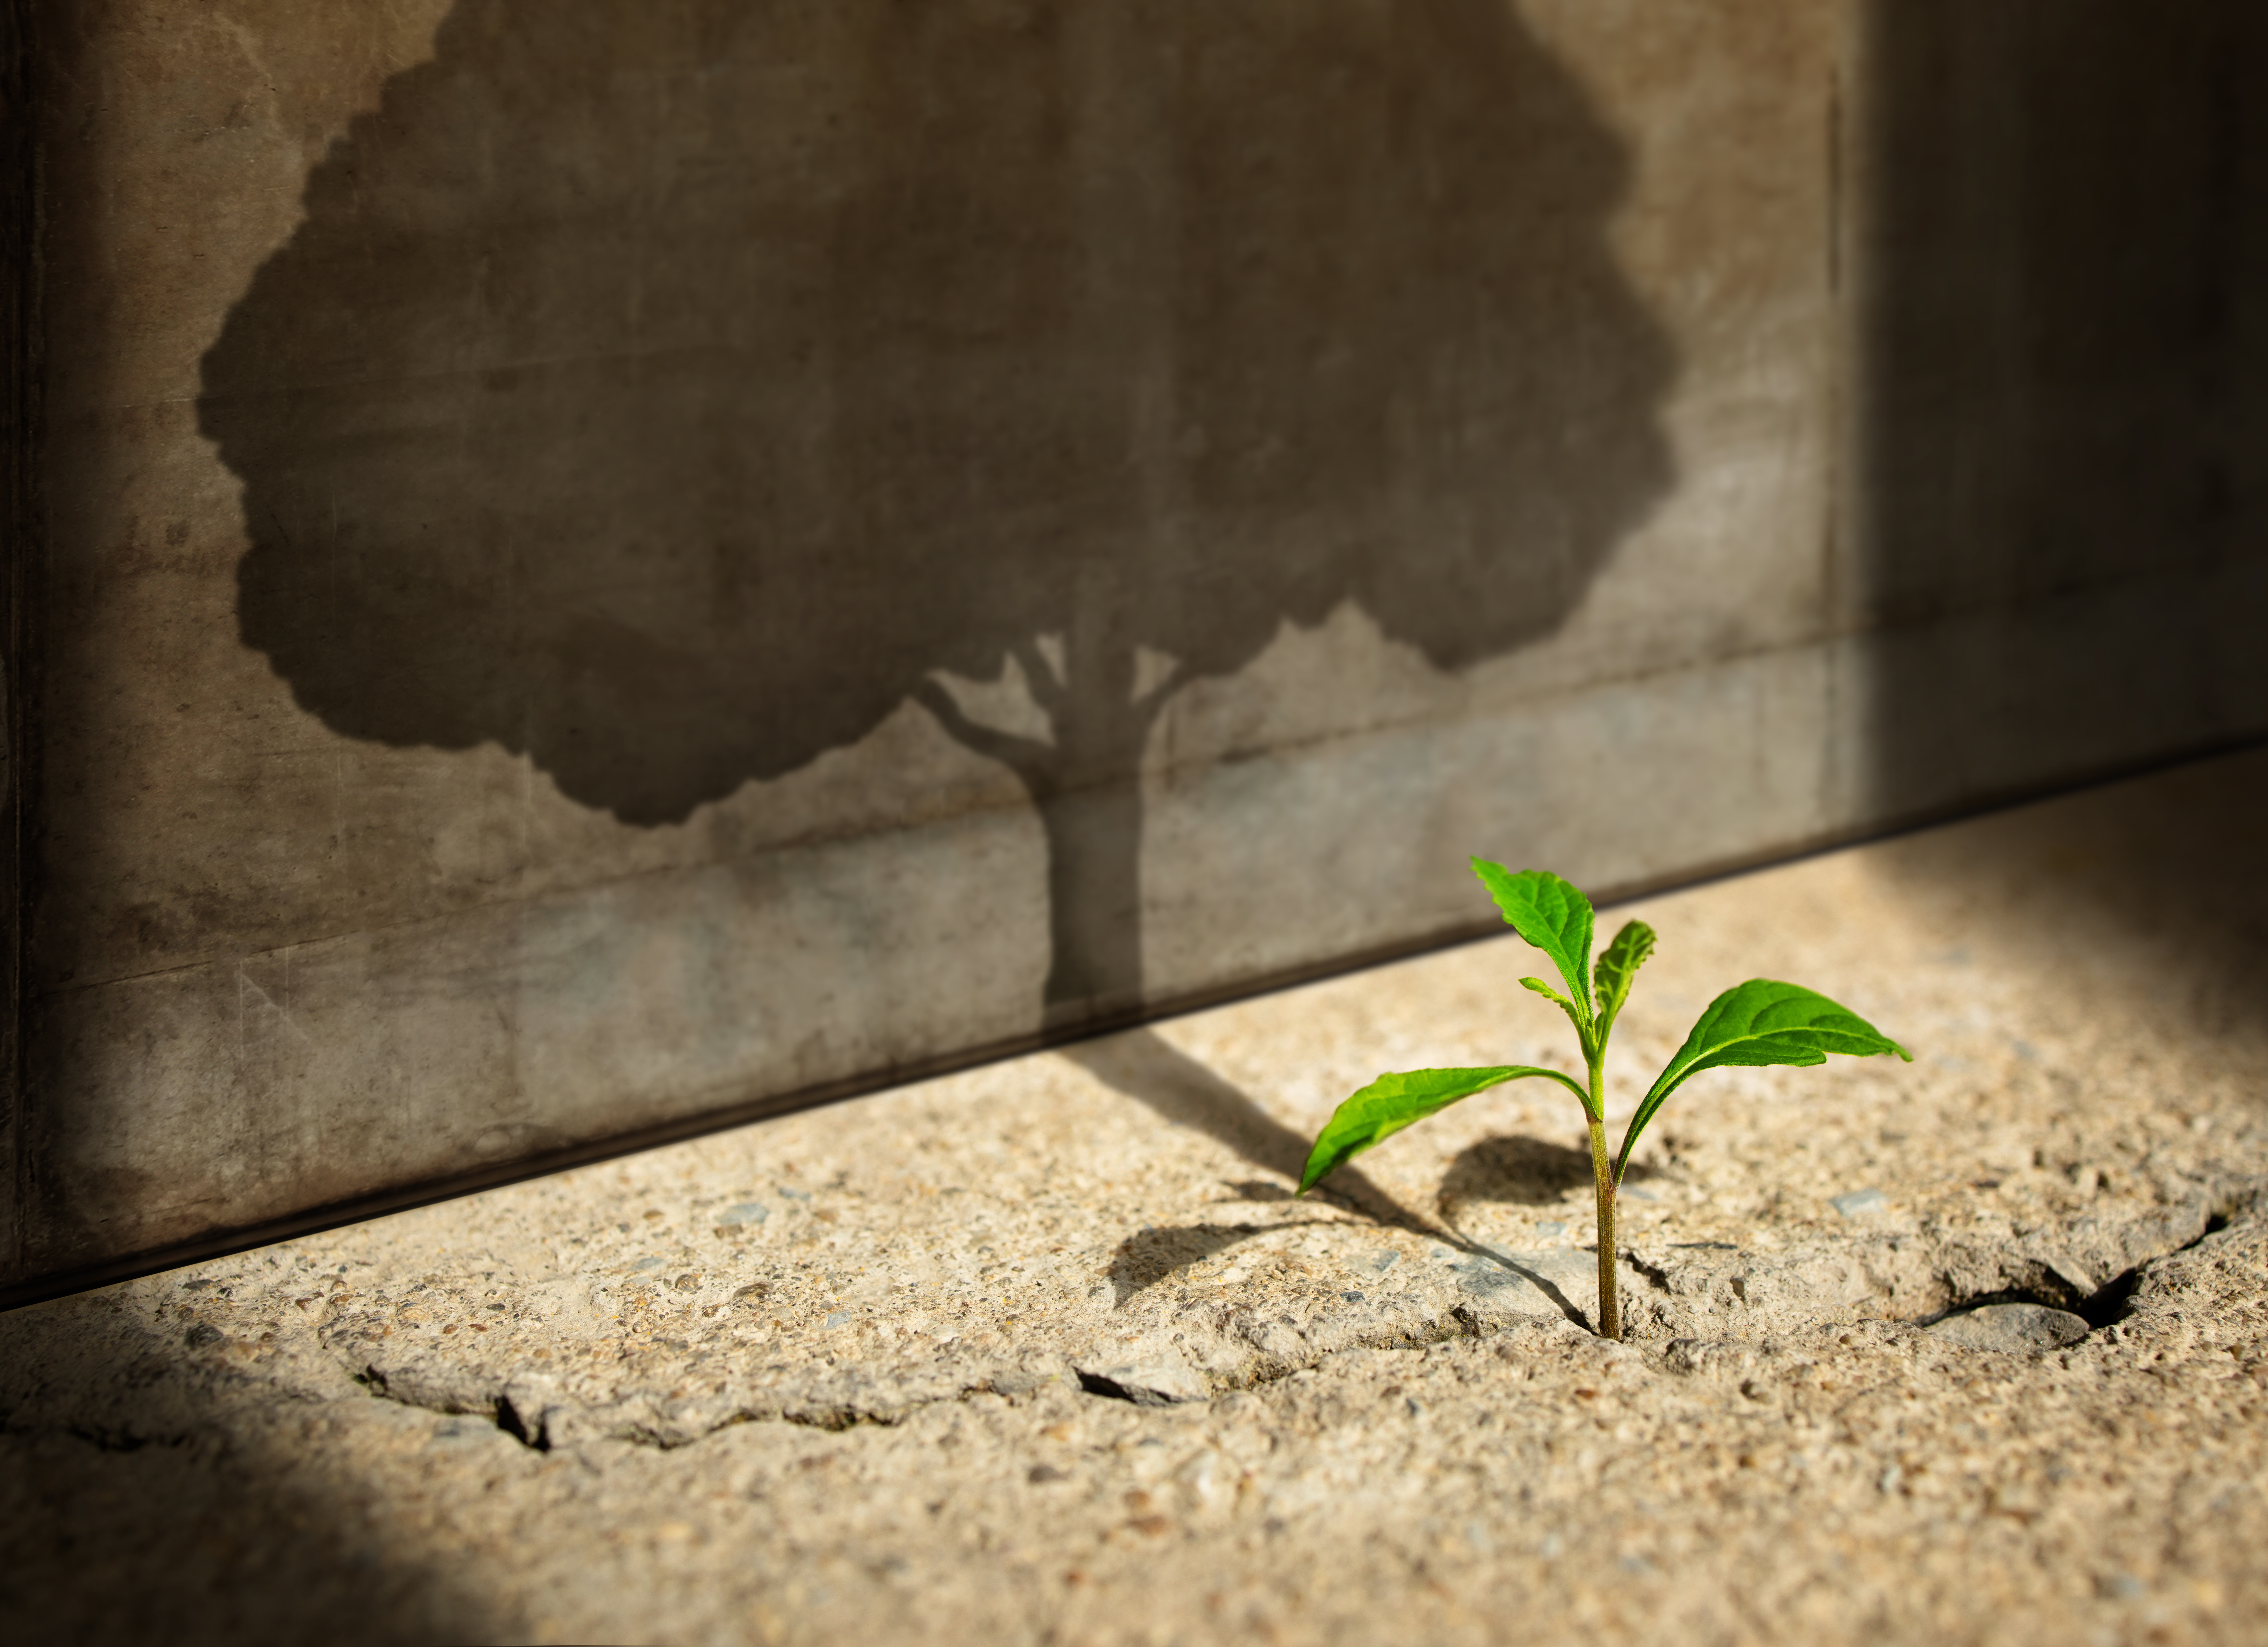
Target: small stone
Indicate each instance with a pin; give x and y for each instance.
(2015, 1327)
(742, 1213)
(202, 1334)
(1861, 1203)
(1039, 1474)
(1352, 1297)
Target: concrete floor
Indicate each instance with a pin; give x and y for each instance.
(859, 1373)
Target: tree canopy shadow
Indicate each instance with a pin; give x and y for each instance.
(671, 395)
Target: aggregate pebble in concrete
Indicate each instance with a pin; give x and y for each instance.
(1968, 1350)
(2017, 1327)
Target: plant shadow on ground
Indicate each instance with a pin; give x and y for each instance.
(1147, 1067)
(1521, 1171)
(1144, 1259)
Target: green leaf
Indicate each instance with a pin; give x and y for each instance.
(1618, 967)
(1758, 1023)
(1582, 1029)
(1552, 915)
(1547, 992)
(1394, 1101)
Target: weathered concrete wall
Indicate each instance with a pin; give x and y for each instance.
(604, 564)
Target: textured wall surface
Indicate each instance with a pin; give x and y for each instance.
(603, 564)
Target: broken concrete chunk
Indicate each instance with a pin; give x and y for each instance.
(2015, 1327)
(1160, 1381)
(1547, 1283)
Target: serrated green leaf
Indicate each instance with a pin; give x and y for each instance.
(1553, 916)
(1617, 967)
(1582, 1027)
(1544, 989)
(1758, 1023)
(1394, 1101)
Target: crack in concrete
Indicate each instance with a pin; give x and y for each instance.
(2100, 1306)
(107, 1439)
(532, 1427)
(2021, 1277)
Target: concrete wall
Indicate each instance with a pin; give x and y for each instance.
(597, 567)
(2062, 409)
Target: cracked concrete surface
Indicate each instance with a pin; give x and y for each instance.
(1046, 1352)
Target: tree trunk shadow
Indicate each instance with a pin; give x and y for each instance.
(1145, 1066)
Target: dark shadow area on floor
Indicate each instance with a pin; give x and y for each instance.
(147, 1495)
(2060, 496)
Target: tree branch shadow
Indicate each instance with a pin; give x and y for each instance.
(1145, 1067)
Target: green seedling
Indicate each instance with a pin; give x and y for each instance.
(1756, 1022)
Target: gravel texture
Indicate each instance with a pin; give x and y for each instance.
(1968, 1349)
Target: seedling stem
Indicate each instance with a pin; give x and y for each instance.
(1610, 1305)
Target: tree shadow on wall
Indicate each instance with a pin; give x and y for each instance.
(670, 393)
